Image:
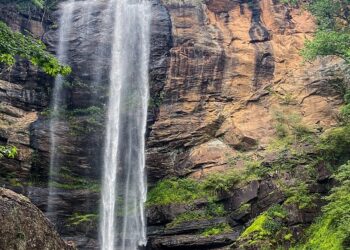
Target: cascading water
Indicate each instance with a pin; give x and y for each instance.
(123, 184)
(122, 220)
(57, 100)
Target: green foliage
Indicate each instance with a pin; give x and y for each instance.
(333, 37)
(221, 181)
(156, 101)
(175, 191)
(81, 121)
(330, 14)
(14, 44)
(30, 6)
(268, 229)
(328, 43)
(93, 120)
(257, 227)
(216, 230)
(215, 209)
(187, 190)
(188, 216)
(291, 2)
(8, 151)
(25, 4)
(335, 144)
(212, 209)
(66, 180)
(289, 124)
(345, 110)
(277, 211)
(78, 218)
(300, 195)
(332, 230)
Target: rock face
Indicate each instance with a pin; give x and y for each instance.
(24, 227)
(233, 64)
(219, 71)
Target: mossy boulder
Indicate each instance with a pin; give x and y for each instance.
(24, 227)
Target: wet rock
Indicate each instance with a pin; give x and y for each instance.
(24, 226)
(242, 195)
(162, 214)
(193, 242)
(193, 226)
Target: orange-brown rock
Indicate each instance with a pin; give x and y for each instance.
(232, 65)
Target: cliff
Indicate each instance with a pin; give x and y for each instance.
(221, 74)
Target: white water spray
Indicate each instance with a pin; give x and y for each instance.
(123, 185)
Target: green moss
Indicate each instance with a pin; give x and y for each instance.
(212, 209)
(222, 181)
(256, 227)
(216, 230)
(187, 190)
(188, 216)
(244, 208)
(69, 182)
(78, 218)
(170, 191)
(268, 229)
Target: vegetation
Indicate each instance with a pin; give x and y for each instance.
(175, 191)
(30, 6)
(78, 218)
(333, 36)
(216, 230)
(290, 2)
(211, 210)
(332, 230)
(268, 229)
(299, 194)
(8, 151)
(290, 124)
(66, 180)
(188, 190)
(188, 216)
(328, 43)
(13, 44)
(81, 121)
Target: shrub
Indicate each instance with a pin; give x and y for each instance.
(328, 43)
(14, 44)
(332, 230)
(221, 181)
(335, 144)
(8, 151)
(300, 195)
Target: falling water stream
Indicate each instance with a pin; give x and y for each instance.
(122, 219)
(123, 183)
(57, 102)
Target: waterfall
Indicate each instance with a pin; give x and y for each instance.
(123, 28)
(57, 101)
(122, 224)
